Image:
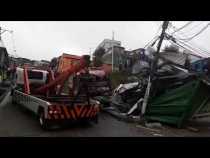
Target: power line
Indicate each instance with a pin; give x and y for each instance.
(152, 41)
(190, 48)
(203, 29)
(191, 45)
(201, 53)
(186, 49)
(195, 26)
(155, 38)
(194, 54)
(182, 27)
(206, 51)
(188, 35)
(196, 46)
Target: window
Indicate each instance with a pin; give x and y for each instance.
(35, 75)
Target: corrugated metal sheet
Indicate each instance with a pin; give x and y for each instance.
(178, 105)
(178, 58)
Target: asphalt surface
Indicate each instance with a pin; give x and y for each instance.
(15, 121)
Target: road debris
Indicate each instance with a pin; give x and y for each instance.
(176, 96)
(148, 128)
(192, 129)
(154, 125)
(157, 134)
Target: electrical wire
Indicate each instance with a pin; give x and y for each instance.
(182, 27)
(187, 47)
(155, 38)
(203, 29)
(207, 52)
(181, 33)
(152, 41)
(194, 49)
(200, 56)
(195, 26)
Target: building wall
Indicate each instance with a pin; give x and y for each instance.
(107, 43)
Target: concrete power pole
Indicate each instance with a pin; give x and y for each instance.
(112, 51)
(154, 67)
(90, 54)
(0, 33)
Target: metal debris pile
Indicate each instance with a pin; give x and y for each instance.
(176, 96)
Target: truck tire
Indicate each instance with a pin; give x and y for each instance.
(42, 121)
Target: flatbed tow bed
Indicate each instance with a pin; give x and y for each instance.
(53, 109)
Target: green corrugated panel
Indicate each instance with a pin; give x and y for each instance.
(178, 105)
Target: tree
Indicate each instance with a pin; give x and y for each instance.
(99, 52)
(98, 56)
(97, 61)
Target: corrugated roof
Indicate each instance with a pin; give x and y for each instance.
(177, 58)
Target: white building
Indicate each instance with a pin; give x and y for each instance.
(108, 43)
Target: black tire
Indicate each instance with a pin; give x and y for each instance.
(42, 121)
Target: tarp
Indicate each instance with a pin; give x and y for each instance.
(178, 105)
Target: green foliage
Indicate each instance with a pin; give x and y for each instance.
(118, 78)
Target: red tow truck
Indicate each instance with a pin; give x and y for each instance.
(41, 92)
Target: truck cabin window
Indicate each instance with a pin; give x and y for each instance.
(35, 75)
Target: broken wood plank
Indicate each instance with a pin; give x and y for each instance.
(192, 129)
(151, 129)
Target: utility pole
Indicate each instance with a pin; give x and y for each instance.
(153, 67)
(112, 51)
(156, 55)
(112, 58)
(90, 54)
(0, 33)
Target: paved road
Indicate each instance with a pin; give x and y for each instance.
(14, 121)
(18, 122)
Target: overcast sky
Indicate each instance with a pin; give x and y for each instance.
(45, 40)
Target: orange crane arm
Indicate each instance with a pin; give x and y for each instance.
(63, 76)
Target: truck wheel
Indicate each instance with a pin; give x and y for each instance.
(42, 121)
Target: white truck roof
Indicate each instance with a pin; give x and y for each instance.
(41, 79)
